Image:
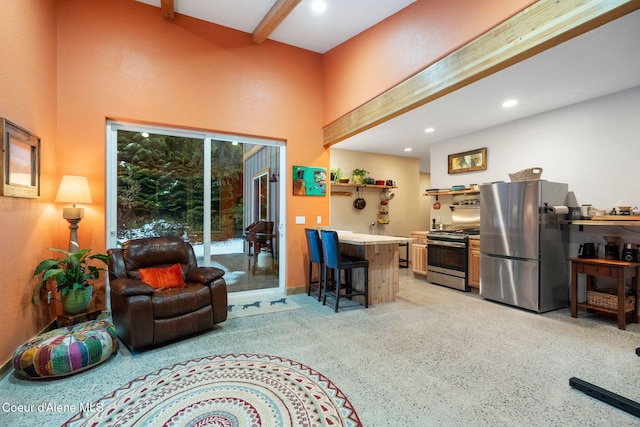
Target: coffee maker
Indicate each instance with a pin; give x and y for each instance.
(611, 249)
(630, 252)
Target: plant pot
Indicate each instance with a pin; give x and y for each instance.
(358, 179)
(77, 300)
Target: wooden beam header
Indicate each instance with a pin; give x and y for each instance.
(537, 28)
(167, 10)
(280, 10)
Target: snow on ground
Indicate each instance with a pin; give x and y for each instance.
(231, 246)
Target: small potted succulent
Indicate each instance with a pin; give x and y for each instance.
(359, 175)
(72, 273)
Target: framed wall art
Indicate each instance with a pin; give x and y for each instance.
(20, 166)
(468, 161)
(309, 181)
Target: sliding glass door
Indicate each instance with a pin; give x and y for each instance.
(198, 186)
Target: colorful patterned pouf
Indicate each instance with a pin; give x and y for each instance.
(66, 350)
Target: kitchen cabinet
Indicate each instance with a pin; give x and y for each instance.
(419, 253)
(383, 254)
(474, 263)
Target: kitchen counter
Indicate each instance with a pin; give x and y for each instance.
(371, 239)
(384, 268)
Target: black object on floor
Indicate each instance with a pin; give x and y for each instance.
(404, 262)
(606, 396)
(638, 351)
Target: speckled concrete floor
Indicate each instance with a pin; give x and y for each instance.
(435, 357)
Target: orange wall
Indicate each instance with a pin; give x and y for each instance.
(403, 44)
(28, 99)
(121, 59)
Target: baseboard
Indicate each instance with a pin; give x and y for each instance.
(296, 290)
(7, 366)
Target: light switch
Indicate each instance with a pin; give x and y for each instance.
(319, 219)
(300, 220)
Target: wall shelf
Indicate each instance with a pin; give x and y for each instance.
(582, 222)
(337, 184)
(635, 223)
(451, 192)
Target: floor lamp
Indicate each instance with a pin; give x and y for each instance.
(73, 189)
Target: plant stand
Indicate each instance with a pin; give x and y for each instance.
(74, 319)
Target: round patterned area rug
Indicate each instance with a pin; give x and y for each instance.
(232, 390)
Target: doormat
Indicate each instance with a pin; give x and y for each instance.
(251, 306)
(250, 390)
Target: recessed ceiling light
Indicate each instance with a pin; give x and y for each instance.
(429, 130)
(319, 6)
(510, 103)
(408, 149)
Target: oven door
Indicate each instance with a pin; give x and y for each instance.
(450, 255)
(447, 263)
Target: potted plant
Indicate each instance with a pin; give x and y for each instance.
(336, 174)
(72, 273)
(359, 175)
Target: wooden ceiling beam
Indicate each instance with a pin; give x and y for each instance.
(167, 10)
(537, 28)
(280, 10)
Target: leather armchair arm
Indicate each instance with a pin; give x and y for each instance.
(204, 275)
(130, 287)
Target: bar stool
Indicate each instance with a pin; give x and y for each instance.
(336, 261)
(314, 249)
(404, 262)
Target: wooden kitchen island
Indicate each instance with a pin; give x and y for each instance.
(384, 268)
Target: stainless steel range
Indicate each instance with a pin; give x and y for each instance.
(447, 250)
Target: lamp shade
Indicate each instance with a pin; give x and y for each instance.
(74, 189)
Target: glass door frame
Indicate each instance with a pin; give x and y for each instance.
(112, 129)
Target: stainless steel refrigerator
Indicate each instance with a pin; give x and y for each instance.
(523, 247)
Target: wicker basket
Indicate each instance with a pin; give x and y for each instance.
(530, 174)
(610, 301)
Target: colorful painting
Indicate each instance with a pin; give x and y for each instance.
(309, 181)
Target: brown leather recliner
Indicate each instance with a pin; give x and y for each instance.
(144, 316)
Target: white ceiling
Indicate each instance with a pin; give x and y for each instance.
(303, 28)
(600, 62)
(603, 61)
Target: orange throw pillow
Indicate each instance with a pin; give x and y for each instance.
(163, 278)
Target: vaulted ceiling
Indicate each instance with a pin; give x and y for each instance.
(292, 22)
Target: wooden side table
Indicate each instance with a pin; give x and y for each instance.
(620, 270)
(74, 319)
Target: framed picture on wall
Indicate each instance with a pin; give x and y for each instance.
(468, 161)
(309, 181)
(20, 166)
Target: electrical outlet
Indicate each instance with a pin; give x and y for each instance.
(49, 297)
